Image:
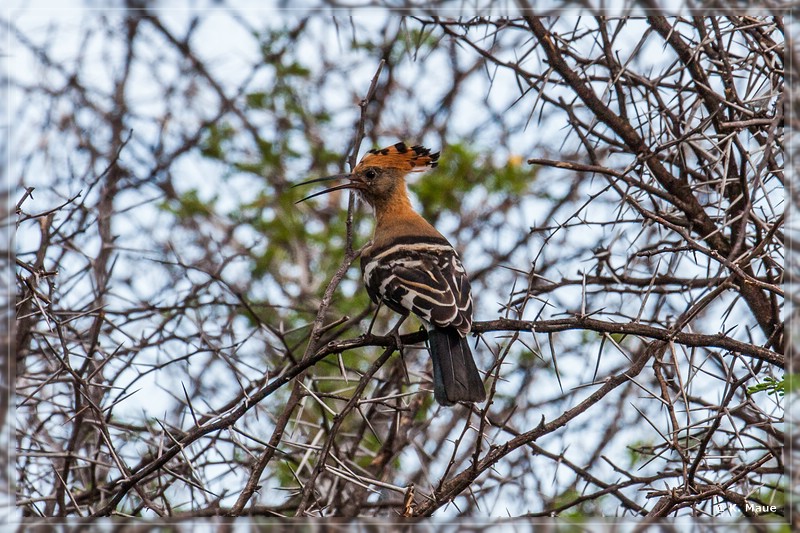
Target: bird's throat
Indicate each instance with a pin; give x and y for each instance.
(395, 207)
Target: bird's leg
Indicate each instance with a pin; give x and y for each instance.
(374, 317)
(395, 332)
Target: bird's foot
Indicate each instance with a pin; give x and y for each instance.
(395, 333)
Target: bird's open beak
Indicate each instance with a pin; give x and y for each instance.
(350, 185)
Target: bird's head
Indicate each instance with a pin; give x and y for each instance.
(380, 175)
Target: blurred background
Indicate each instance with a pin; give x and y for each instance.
(187, 338)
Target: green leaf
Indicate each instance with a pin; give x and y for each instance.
(771, 385)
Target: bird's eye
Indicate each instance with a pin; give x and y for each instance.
(370, 174)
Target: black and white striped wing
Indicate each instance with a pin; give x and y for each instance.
(426, 279)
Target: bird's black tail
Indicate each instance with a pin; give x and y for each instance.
(455, 376)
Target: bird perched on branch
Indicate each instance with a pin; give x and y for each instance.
(411, 268)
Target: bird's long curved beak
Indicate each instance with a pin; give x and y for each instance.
(350, 185)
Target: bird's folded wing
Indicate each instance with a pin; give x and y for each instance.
(434, 287)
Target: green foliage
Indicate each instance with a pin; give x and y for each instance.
(529, 359)
(256, 100)
(460, 171)
(772, 497)
(771, 385)
(581, 510)
(269, 210)
(409, 43)
(424, 413)
(284, 472)
(637, 450)
(189, 205)
(213, 143)
(371, 443)
(418, 40)
(293, 69)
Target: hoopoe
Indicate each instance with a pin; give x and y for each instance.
(411, 268)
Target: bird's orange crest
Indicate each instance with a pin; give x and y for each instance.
(414, 159)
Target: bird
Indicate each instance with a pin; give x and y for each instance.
(412, 268)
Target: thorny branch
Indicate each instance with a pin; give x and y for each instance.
(194, 345)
